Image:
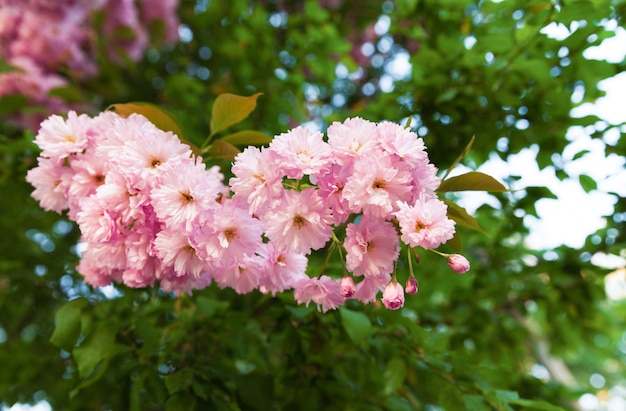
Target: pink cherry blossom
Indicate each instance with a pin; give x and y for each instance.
(372, 247)
(59, 137)
(458, 263)
(425, 224)
(376, 184)
(393, 295)
(300, 223)
(51, 181)
(256, 180)
(402, 142)
(369, 287)
(175, 249)
(411, 285)
(324, 291)
(353, 138)
(281, 268)
(347, 287)
(300, 151)
(242, 275)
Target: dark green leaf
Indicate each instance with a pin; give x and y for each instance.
(536, 405)
(98, 346)
(461, 217)
(394, 375)
(12, 103)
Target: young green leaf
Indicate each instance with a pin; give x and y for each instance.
(67, 324)
(158, 116)
(230, 109)
(588, 184)
(461, 217)
(223, 150)
(472, 181)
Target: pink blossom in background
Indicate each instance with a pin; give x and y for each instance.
(52, 44)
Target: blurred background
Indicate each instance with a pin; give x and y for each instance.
(538, 322)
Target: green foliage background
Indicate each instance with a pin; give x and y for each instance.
(463, 342)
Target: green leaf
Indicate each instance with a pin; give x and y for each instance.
(210, 306)
(179, 380)
(158, 116)
(455, 243)
(472, 181)
(99, 346)
(536, 405)
(69, 94)
(247, 138)
(588, 184)
(356, 324)
(223, 150)
(230, 109)
(475, 403)
(256, 391)
(461, 217)
(12, 103)
(460, 157)
(67, 324)
(394, 375)
(180, 402)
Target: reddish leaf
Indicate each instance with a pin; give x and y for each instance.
(230, 109)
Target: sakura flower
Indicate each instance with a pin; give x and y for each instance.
(184, 190)
(352, 139)
(281, 268)
(347, 287)
(300, 223)
(393, 295)
(97, 224)
(411, 285)
(175, 249)
(324, 291)
(376, 184)
(242, 275)
(300, 151)
(372, 247)
(330, 183)
(51, 181)
(59, 137)
(425, 224)
(229, 232)
(368, 288)
(458, 263)
(402, 142)
(256, 179)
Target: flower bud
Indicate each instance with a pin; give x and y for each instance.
(411, 286)
(347, 287)
(393, 296)
(458, 263)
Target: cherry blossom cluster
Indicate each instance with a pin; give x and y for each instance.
(49, 41)
(150, 211)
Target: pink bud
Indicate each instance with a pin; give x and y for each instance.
(411, 286)
(347, 287)
(393, 296)
(458, 263)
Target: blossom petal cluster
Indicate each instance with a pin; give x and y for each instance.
(48, 41)
(151, 212)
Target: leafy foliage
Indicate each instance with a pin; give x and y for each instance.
(465, 342)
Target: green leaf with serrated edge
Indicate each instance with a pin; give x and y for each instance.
(536, 405)
(356, 324)
(588, 184)
(223, 150)
(394, 375)
(67, 324)
(247, 138)
(230, 109)
(461, 217)
(158, 116)
(460, 157)
(472, 181)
